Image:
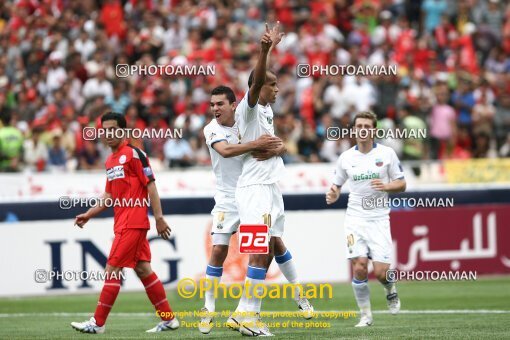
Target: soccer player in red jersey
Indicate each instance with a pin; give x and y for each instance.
(129, 180)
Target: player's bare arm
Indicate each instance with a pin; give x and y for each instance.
(161, 225)
(398, 185)
(259, 75)
(333, 194)
(262, 155)
(81, 219)
(264, 142)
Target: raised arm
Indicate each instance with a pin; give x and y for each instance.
(259, 74)
(276, 36)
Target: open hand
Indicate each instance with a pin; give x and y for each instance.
(163, 228)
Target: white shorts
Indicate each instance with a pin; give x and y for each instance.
(262, 204)
(368, 238)
(225, 221)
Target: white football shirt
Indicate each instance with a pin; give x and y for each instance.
(254, 122)
(360, 169)
(226, 170)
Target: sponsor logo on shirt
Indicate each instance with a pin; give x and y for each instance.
(365, 176)
(115, 172)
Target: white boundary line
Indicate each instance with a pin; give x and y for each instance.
(426, 311)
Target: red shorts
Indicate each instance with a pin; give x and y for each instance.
(129, 247)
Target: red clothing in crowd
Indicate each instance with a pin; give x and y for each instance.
(112, 17)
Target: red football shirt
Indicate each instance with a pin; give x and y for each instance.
(128, 172)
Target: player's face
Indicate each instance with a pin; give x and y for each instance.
(111, 139)
(270, 89)
(365, 129)
(222, 109)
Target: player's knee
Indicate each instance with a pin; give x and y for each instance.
(360, 270)
(143, 271)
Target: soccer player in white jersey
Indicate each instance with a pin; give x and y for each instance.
(222, 138)
(258, 196)
(373, 170)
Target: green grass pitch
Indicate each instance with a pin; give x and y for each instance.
(433, 310)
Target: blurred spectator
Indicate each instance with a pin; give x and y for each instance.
(57, 155)
(178, 153)
(155, 146)
(360, 93)
(483, 116)
(84, 45)
(35, 151)
(464, 100)
(433, 10)
(502, 118)
(442, 123)
(308, 145)
(336, 98)
(492, 15)
(413, 148)
(119, 101)
(483, 147)
(98, 86)
(89, 157)
(56, 73)
(11, 145)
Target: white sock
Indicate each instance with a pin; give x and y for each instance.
(213, 274)
(257, 303)
(362, 294)
(288, 269)
(254, 276)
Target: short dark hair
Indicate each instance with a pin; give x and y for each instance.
(252, 75)
(365, 114)
(118, 117)
(227, 91)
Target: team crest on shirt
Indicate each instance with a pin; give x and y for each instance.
(211, 136)
(122, 159)
(379, 162)
(269, 120)
(147, 171)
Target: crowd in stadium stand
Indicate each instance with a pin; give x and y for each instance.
(58, 59)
